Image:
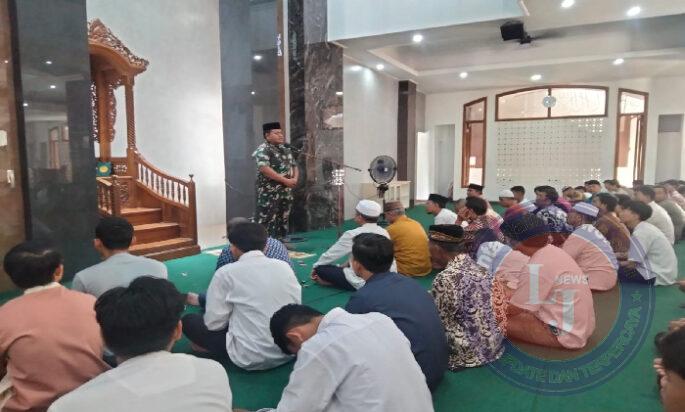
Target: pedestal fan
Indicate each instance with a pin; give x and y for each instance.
(382, 170)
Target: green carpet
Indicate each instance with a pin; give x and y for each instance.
(478, 389)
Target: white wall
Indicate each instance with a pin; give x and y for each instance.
(665, 97)
(370, 125)
(348, 19)
(178, 98)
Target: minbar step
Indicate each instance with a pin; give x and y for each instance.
(166, 249)
(142, 215)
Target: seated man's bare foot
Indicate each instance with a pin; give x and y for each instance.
(198, 348)
(681, 283)
(192, 299)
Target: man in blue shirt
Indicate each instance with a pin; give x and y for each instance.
(403, 300)
(274, 249)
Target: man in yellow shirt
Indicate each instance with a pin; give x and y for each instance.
(410, 241)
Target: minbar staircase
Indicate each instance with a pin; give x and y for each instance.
(160, 207)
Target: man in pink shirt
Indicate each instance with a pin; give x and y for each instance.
(590, 249)
(552, 305)
(49, 337)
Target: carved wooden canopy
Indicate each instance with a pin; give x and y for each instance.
(112, 64)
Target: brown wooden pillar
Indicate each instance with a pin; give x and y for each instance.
(130, 114)
(105, 139)
(406, 135)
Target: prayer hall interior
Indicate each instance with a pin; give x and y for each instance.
(342, 205)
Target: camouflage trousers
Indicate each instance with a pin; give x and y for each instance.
(273, 210)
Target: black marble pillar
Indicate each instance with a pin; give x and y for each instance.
(250, 93)
(406, 135)
(316, 110)
(58, 161)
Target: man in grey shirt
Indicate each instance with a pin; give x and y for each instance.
(674, 211)
(113, 237)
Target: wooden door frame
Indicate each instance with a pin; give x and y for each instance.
(641, 143)
(464, 145)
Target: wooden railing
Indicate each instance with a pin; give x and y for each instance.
(109, 196)
(173, 189)
(120, 166)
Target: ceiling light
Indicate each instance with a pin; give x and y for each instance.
(356, 68)
(257, 57)
(48, 62)
(26, 104)
(568, 3)
(253, 92)
(338, 93)
(52, 86)
(633, 11)
(536, 77)
(7, 61)
(418, 38)
(618, 62)
(380, 66)
(463, 75)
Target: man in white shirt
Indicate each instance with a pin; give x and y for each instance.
(651, 258)
(326, 272)
(660, 217)
(436, 206)
(140, 324)
(113, 237)
(241, 299)
(346, 362)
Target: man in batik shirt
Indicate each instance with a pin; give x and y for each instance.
(470, 303)
(277, 176)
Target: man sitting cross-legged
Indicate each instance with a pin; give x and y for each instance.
(414, 313)
(675, 212)
(609, 224)
(140, 324)
(552, 305)
(326, 272)
(240, 301)
(590, 249)
(410, 241)
(348, 363)
(471, 305)
(113, 237)
(437, 206)
(651, 258)
(50, 342)
(274, 249)
(659, 217)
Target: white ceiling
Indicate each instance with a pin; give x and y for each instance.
(574, 45)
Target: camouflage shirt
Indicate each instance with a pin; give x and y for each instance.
(277, 157)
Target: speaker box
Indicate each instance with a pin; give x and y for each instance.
(512, 30)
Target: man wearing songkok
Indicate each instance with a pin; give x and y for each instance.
(675, 212)
(436, 206)
(471, 304)
(410, 241)
(659, 217)
(414, 313)
(140, 324)
(552, 305)
(277, 175)
(651, 258)
(347, 363)
(475, 190)
(590, 249)
(609, 224)
(327, 272)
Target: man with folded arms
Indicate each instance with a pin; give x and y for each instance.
(348, 363)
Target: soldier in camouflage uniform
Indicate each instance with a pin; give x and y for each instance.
(277, 175)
